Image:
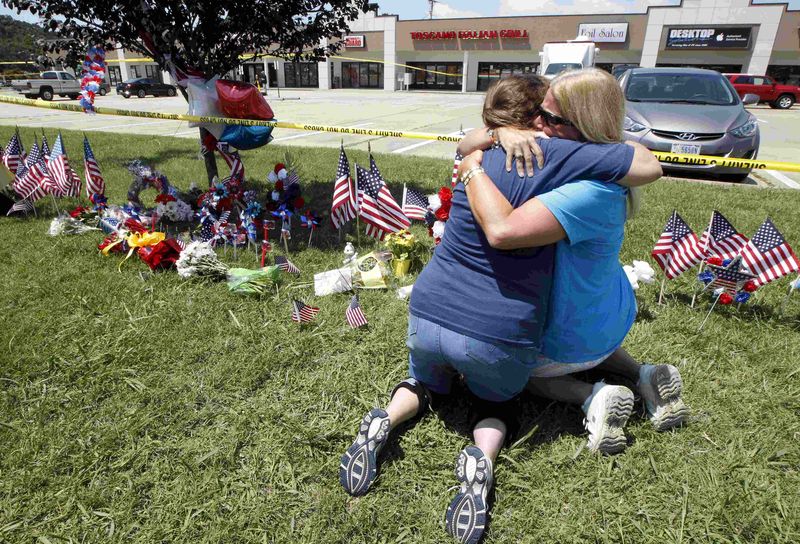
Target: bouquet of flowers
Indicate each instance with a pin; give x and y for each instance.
(439, 213)
(173, 208)
(199, 260)
(253, 282)
(64, 224)
(407, 251)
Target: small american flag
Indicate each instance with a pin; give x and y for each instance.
(415, 204)
(286, 265)
(768, 255)
(677, 250)
(36, 182)
(730, 277)
(67, 181)
(232, 159)
(355, 317)
(45, 148)
(95, 184)
(24, 205)
(377, 207)
(343, 207)
(303, 313)
(456, 164)
(720, 238)
(14, 155)
(291, 179)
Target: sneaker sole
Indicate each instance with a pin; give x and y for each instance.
(620, 407)
(466, 515)
(667, 381)
(359, 466)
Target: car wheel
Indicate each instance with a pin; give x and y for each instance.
(734, 178)
(126, 95)
(773, 105)
(103, 92)
(46, 94)
(784, 102)
(170, 92)
(141, 93)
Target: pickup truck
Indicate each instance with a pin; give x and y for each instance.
(50, 84)
(777, 96)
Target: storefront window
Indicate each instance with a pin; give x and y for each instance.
(442, 75)
(490, 72)
(114, 75)
(152, 72)
(364, 75)
(785, 75)
(301, 74)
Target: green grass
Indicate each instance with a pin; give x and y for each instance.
(134, 408)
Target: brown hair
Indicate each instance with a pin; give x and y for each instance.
(513, 101)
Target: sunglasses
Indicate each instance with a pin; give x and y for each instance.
(553, 119)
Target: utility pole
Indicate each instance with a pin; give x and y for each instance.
(431, 3)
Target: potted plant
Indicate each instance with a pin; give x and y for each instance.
(407, 251)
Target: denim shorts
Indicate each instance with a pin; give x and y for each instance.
(548, 368)
(492, 372)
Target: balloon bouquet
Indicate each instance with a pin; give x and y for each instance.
(94, 73)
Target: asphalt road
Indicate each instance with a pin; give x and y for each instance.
(435, 112)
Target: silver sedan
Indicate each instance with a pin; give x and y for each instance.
(690, 111)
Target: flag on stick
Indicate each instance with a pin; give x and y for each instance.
(415, 204)
(232, 159)
(456, 164)
(64, 178)
(95, 184)
(720, 238)
(768, 255)
(14, 154)
(677, 249)
(303, 313)
(377, 207)
(343, 207)
(286, 265)
(355, 316)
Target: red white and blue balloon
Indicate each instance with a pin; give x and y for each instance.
(94, 73)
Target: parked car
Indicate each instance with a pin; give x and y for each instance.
(143, 86)
(692, 112)
(48, 85)
(777, 96)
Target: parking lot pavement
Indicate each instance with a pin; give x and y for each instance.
(434, 112)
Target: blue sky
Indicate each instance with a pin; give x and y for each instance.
(418, 9)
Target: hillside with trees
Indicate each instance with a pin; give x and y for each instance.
(18, 39)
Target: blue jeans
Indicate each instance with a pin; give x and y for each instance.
(492, 372)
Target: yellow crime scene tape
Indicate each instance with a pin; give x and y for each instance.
(671, 158)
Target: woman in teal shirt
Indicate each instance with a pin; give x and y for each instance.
(592, 305)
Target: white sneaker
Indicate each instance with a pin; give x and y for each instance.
(466, 516)
(359, 465)
(660, 387)
(608, 411)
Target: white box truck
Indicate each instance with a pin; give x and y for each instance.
(556, 57)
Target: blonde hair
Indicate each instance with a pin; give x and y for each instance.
(592, 100)
(514, 101)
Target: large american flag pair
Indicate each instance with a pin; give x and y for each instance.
(767, 255)
(370, 199)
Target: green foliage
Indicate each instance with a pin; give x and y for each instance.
(18, 40)
(136, 406)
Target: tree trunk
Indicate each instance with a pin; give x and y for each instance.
(208, 156)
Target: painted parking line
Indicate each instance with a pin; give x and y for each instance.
(427, 142)
(306, 134)
(762, 121)
(783, 178)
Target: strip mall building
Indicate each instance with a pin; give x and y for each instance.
(384, 52)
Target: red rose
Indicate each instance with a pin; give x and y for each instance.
(445, 195)
(162, 255)
(717, 261)
(279, 186)
(298, 202)
(725, 298)
(77, 212)
(108, 241)
(280, 166)
(750, 286)
(443, 213)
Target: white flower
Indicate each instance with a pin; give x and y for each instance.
(272, 177)
(438, 229)
(282, 173)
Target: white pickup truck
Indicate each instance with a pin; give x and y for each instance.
(50, 84)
